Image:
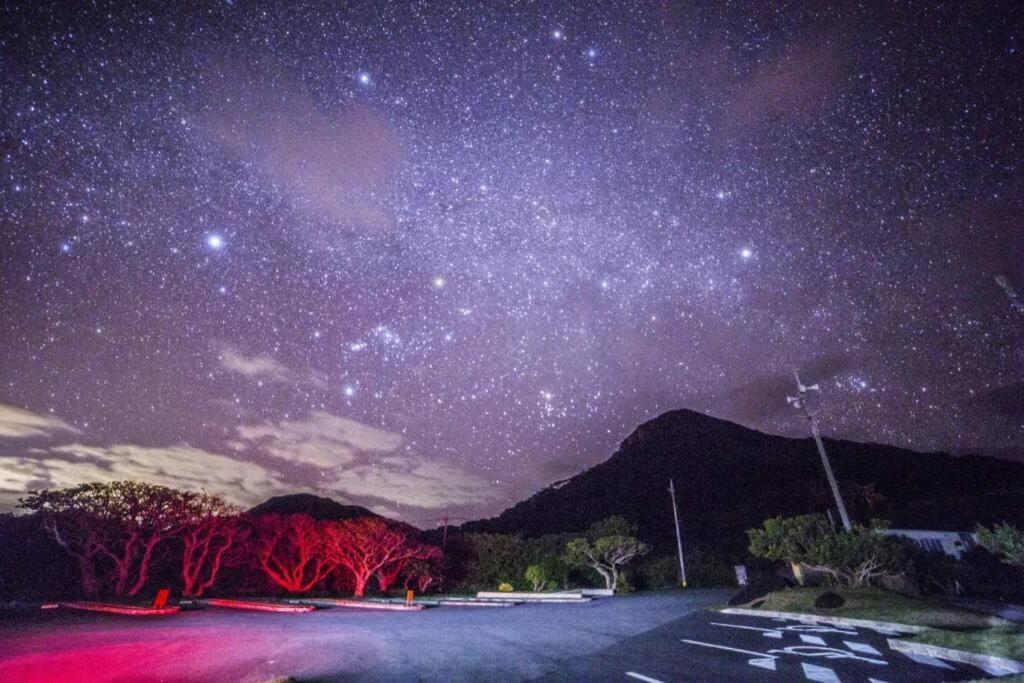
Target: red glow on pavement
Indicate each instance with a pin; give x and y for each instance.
(172, 650)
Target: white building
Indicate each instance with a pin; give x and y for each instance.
(952, 543)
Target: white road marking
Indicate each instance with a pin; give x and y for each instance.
(821, 674)
(930, 661)
(824, 652)
(641, 677)
(819, 628)
(767, 632)
(763, 663)
(876, 680)
(730, 649)
(812, 640)
(862, 647)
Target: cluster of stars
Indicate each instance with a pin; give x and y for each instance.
(511, 244)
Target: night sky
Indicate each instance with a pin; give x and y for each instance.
(430, 257)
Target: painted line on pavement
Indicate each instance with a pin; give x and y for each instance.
(928, 660)
(730, 649)
(862, 647)
(821, 674)
(641, 677)
(812, 640)
(767, 632)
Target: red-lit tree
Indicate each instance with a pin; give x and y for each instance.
(115, 528)
(208, 544)
(369, 547)
(293, 551)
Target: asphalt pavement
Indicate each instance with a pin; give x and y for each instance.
(709, 646)
(652, 637)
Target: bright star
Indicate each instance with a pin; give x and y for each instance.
(746, 252)
(215, 241)
(439, 282)
(349, 390)
(557, 34)
(65, 247)
(364, 78)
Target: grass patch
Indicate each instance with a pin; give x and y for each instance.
(952, 627)
(881, 605)
(1000, 641)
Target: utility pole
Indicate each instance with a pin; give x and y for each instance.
(800, 403)
(679, 537)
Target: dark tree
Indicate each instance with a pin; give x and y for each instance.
(116, 528)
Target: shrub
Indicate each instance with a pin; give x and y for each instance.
(506, 587)
(537, 577)
(855, 558)
(1005, 541)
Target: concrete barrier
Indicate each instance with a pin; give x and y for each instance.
(595, 592)
(360, 604)
(533, 597)
(567, 595)
(255, 605)
(476, 603)
(113, 608)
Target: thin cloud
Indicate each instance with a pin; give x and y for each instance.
(266, 368)
(16, 423)
(179, 466)
(358, 461)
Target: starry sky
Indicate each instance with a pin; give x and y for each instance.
(430, 257)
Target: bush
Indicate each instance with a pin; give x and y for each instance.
(855, 558)
(506, 587)
(537, 577)
(1005, 541)
(658, 573)
(485, 560)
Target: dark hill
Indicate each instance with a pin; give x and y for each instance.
(729, 478)
(316, 507)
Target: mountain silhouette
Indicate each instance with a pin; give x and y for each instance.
(729, 478)
(316, 507)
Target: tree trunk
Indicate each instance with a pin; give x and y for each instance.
(88, 575)
(361, 581)
(605, 574)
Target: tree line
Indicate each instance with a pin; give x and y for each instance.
(124, 537)
(119, 533)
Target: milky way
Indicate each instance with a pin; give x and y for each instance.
(432, 257)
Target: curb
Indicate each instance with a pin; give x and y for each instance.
(530, 595)
(254, 605)
(358, 604)
(995, 666)
(834, 621)
(112, 608)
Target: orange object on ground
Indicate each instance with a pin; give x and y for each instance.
(161, 598)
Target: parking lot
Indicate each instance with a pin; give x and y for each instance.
(655, 637)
